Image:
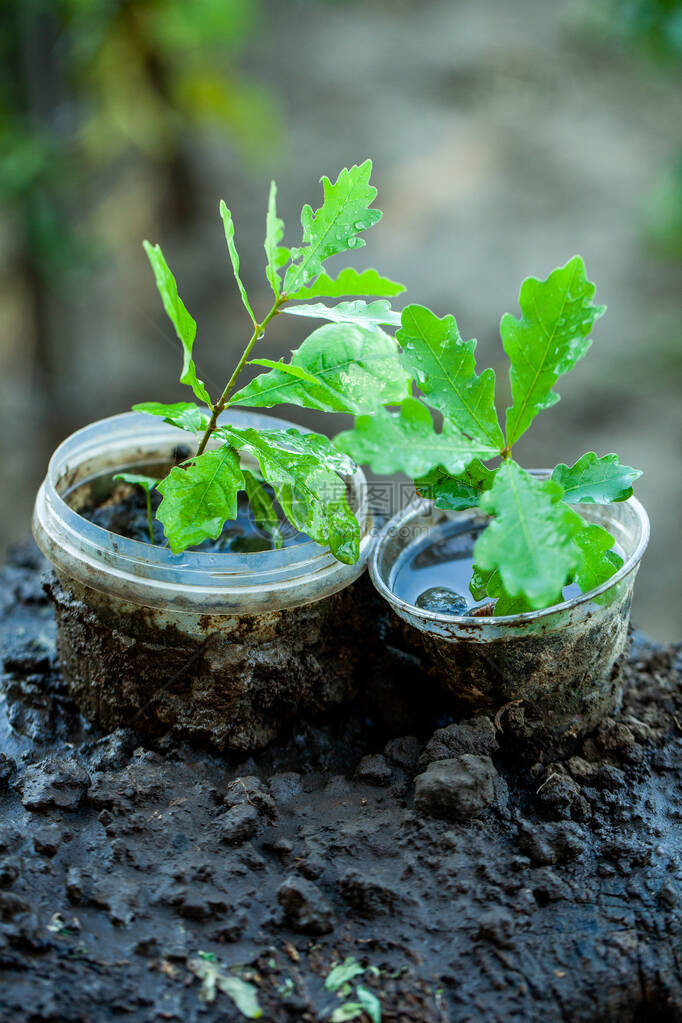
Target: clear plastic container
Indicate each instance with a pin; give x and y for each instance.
(219, 647)
(152, 576)
(561, 663)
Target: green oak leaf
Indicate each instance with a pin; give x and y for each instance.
(407, 442)
(480, 580)
(348, 283)
(137, 479)
(199, 497)
(303, 443)
(531, 538)
(444, 367)
(456, 493)
(321, 447)
(595, 564)
(551, 336)
(183, 414)
(277, 255)
(489, 584)
(594, 480)
(335, 226)
(228, 224)
(310, 493)
(506, 605)
(368, 314)
(185, 326)
(338, 368)
(598, 561)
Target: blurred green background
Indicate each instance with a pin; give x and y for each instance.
(505, 138)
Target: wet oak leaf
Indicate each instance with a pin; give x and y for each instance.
(335, 226)
(228, 224)
(444, 367)
(367, 314)
(598, 562)
(594, 480)
(552, 335)
(595, 563)
(185, 325)
(277, 255)
(349, 282)
(406, 441)
(184, 414)
(456, 493)
(489, 584)
(530, 540)
(199, 497)
(305, 480)
(338, 368)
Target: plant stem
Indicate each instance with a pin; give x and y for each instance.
(229, 386)
(149, 516)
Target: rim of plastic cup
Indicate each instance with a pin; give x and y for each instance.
(98, 549)
(422, 506)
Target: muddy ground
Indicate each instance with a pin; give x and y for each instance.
(142, 882)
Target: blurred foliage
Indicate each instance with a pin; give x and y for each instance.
(663, 212)
(87, 84)
(653, 24)
(654, 29)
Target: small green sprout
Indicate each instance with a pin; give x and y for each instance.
(366, 1002)
(147, 483)
(216, 978)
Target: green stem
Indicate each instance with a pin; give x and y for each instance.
(230, 385)
(149, 516)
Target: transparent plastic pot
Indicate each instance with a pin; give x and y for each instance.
(218, 647)
(561, 665)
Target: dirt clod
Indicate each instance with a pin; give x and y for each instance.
(373, 770)
(457, 788)
(47, 839)
(240, 823)
(475, 736)
(58, 782)
(305, 907)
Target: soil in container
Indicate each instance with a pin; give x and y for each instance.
(562, 663)
(222, 644)
(122, 509)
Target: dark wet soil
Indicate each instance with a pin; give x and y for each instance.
(468, 877)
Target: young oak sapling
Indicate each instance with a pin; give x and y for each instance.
(535, 543)
(348, 365)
